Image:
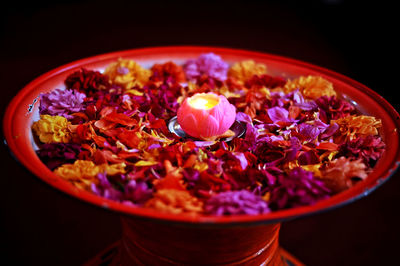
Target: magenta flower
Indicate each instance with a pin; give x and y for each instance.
(236, 202)
(279, 114)
(298, 188)
(209, 64)
(57, 154)
(61, 102)
(334, 108)
(206, 115)
(369, 149)
(105, 189)
(138, 191)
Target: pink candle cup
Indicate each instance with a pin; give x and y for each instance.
(206, 115)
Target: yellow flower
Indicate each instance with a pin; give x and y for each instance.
(312, 87)
(82, 173)
(315, 168)
(127, 73)
(358, 125)
(244, 70)
(175, 201)
(51, 129)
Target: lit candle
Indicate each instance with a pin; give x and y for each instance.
(206, 115)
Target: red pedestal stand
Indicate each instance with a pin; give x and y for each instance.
(146, 242)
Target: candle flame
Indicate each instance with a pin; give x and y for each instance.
(204, 102)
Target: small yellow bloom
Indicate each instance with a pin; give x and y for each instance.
(82, 173)
(51, 129)
(315, 168)
(244, 70)
(127, 73)
(175, 201)
(312, 87)
(358, 125)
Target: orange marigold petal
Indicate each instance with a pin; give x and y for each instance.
(312, 87)
(339, 173)
(358, 125)
(244, 70)
(175, 201)
(127, 73)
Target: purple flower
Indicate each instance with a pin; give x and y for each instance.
(243, 117)
(298, 188)
(138, 191)
(236, 202)
(308, 132)
(57, 154)
(61, 102)
(279, 114)
(299, 101)
(206, 64)
(105, 189)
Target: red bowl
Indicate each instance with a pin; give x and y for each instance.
(23, 109)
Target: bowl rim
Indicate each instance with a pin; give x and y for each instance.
(358, 191)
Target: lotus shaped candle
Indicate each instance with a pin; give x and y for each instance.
(206, 115)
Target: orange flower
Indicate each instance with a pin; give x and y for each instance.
(127, 73)
(361, 125)
(175, 201)
(339, 174)
(83, 173)
(312, 87)
(244, 70)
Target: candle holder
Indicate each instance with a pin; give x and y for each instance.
(155, 238)
(238, 128)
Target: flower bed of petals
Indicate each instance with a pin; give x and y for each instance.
(107, 133)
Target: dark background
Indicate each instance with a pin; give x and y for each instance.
(41, 226)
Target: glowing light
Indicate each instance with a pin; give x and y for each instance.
(204, 101)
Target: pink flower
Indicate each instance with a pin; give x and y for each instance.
(206, 115)
(206, 64)
(61, 102)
